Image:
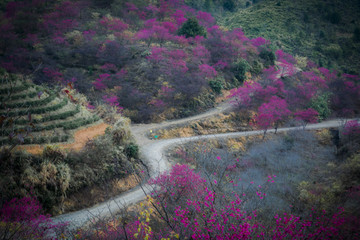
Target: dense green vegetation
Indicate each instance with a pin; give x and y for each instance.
(327, 32)
(56, 174)
(28, 111)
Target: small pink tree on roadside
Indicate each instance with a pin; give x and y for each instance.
(351, 130)
(271, 114)
(307, 116)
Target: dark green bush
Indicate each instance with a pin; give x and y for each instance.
(306, 18)
(256, 67)
(132, 150)
(216, 86)
(334, 17)
(41, 140)
(192, 28)
(321, 105)
(268, 56)
(333, 51)
(229, 5)
(239, 69)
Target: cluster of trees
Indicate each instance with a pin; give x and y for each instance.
(130, 52)
(23, 218)
(55, 175)
(126, 55)
(267, 193)
(283, 93)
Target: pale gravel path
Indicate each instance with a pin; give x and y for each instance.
(153, 154)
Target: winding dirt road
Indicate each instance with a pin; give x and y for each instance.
(153, 154)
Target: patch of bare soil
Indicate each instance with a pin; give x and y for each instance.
(80, 138)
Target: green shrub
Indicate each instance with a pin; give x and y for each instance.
(132, 150)
(321, 105)
(306, 18)
(334, 51)
(239, 69)
(256, 67)
(192, 28)
(268, 56)
(229, 5)
(322, 34)
(334, 17)
(41, 140)
(216, 86)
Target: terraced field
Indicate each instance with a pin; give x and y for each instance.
(34, 114)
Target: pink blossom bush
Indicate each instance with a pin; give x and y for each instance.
(260, 41)
(351, 128)
(190, 209)
(205, 19)
(272, 113)
(179, 17)
(99, 83)
(23, 219)
(113, 24)
(307, 116)
(207, 71)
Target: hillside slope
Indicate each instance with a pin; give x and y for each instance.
(325, 31)
(52, 124)
(33, 114)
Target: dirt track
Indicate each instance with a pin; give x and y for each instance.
(152, 152)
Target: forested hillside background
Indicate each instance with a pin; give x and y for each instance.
(67, 64)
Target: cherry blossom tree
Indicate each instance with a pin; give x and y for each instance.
(307, 116)
(271, 114)
(23, 219)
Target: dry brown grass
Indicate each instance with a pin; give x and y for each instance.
(221, 123)
(80, 138)
(90, 196)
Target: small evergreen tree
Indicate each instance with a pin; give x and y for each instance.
(321, 105)
(191, 28)
(268, 56)
(239, 69)
(216, 86)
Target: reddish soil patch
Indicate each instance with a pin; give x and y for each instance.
(80, 138)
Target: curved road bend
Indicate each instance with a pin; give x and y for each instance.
(153, 153)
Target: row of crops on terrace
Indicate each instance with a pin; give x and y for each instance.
(35, 114)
